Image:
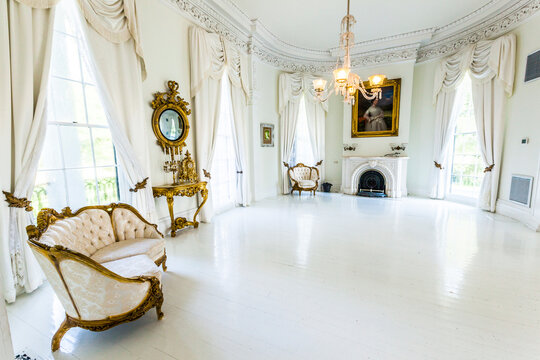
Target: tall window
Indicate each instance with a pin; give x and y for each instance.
(467, 169)
(302, 151)
(78, 163)
(224, 163)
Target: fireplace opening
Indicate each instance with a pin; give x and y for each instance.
(371, 184)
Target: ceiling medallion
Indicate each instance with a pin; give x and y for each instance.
(347, 83)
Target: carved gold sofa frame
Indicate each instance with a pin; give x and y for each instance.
(94, 297)
(303, 177)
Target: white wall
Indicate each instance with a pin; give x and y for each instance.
(522, 120)
(166, 49)
(166, 52)
(334, 142)
(377, 146)
(338, 123)
(422, 131)
(266, 161)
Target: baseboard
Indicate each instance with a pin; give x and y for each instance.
(519, 213)
(419, 192)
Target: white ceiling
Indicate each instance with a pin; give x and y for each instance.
(315, 24)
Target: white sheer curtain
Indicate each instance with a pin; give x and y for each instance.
(112, 37)
(210, 56)
(492, 68)
(25, 64)
(291, 88)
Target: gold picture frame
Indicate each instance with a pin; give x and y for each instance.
(379, 119)
(267, 135)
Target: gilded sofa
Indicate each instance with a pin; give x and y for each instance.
(102, 262)
(303, 177)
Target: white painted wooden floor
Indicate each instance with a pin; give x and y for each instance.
(331, 277)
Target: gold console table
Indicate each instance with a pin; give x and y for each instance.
(186, 189)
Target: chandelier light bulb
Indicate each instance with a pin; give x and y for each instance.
(341, 75)
(319, 85)
(376, 80)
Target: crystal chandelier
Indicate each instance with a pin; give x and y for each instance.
(346, 82)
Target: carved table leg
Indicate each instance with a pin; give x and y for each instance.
(204, 194)
(170, 203)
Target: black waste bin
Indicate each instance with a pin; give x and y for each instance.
(326, 187)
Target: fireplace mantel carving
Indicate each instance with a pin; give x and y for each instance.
(394, 170)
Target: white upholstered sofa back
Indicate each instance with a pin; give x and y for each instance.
(127, 226)
(85, 233)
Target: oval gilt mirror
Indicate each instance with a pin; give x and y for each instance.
(170, 119)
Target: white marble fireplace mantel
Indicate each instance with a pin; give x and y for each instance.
(394, 170)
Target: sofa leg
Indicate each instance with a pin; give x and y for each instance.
(164, 263)
(66, 325)
(159, 302)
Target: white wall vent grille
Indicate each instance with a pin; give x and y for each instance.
(520, 189)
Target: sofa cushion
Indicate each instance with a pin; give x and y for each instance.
(85, 233)
(133, 266)
(306, 183)
(128, 225)
(153, 248)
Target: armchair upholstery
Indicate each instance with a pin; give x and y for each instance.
(304, 178)
(102, 262)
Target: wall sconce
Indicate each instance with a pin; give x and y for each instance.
(397, 149)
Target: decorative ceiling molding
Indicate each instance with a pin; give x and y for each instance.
(488, 29)
(225, 18)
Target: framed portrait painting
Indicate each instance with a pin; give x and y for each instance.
(378, 117)
(267, 135)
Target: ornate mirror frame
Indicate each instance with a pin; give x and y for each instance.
(173, 101)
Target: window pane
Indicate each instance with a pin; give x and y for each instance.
(67, 101)
(103, 147)
(49, 190)
(76, 146)
(81, 186)
(65, 57)
(224, 162)
(96, 112)
(302, 152)
(67, 174)
(51, 157)
(107, 185)
(62, 20)
(466, 175)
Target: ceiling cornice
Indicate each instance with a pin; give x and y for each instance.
(225, 18)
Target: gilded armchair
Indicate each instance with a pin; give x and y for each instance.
(303, 177)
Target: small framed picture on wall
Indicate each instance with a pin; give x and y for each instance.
(267, 135)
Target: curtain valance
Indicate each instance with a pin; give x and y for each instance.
(485, 60)
(292, 86)
(115, 20)
(214, 54)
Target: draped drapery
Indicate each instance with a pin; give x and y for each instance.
(291, 89)
(211, 55)
(26, 54)
(119, 68)
(491, 65)
(25, 64)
